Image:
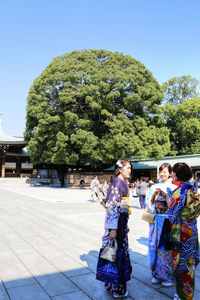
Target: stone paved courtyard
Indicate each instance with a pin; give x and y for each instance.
(49, 243)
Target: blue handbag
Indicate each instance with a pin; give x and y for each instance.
(114, 272)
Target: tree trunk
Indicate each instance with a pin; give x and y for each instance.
(61, 170)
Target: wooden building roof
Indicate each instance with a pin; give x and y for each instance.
(10, 140)
(192, 160)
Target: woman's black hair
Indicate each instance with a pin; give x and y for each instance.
(166, 165)
(120, 164)
(183, 171)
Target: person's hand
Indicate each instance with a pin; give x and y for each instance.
(154, 194)
(113, 234)
(159, 192)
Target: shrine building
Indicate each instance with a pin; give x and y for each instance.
(14, 161)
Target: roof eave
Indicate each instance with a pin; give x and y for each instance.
(12, 143)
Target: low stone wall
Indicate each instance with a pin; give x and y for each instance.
(73, 179)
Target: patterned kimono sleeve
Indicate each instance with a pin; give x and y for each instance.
(149, 195)
(176, 205)
(113, 204)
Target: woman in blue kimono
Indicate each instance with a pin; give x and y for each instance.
(117, 214)
(161, 261)
(184, 208)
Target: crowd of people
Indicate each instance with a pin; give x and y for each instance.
(173, 236)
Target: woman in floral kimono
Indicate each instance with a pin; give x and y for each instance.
(184, 208)
(161, 260)
(117, 214)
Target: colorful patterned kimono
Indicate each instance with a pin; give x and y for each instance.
(117, 218)
(182, 212)
(161, 260)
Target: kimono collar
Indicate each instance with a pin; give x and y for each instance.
(186, 186)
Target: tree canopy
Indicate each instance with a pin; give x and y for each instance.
(183, 121)
(91, 107)
(178, 89)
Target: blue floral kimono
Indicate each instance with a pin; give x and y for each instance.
(183, 210)
(117, 215)
(161, 260)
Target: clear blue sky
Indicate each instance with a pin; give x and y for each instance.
(163, 35)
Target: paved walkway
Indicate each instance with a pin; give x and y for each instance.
(49, 242)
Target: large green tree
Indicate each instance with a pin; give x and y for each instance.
(183, 121)
(178, 89)
(91, 107)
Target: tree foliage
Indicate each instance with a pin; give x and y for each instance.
(91, 107)
(178, 89)
(183, 121)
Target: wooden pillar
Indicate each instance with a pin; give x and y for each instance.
(18, 165)
(3, 167)
(3, 149)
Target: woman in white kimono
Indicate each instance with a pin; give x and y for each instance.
(161, 261)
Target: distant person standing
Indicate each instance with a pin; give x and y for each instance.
(142, 187)
(137, 184)
(94, 185)
(82, 183)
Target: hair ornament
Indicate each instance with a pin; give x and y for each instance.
(119, 164)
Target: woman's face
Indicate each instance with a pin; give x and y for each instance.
(164, 174)
(125, 171)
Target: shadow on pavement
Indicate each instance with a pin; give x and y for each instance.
(139, 287)
(79, 282)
